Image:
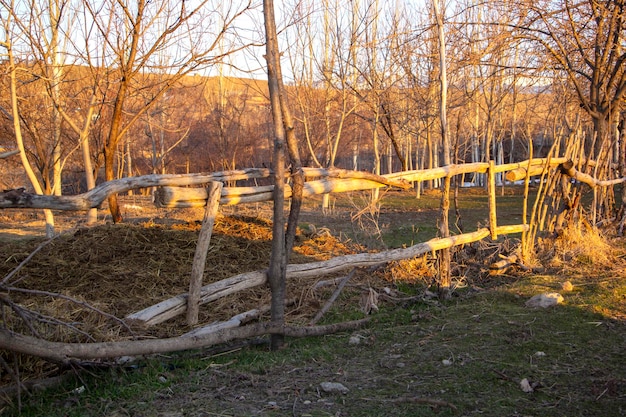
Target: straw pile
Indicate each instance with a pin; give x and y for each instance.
(77, 287)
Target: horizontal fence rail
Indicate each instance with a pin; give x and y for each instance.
(334, 180)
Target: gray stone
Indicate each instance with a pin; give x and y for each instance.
(545, 300)
(334, 387)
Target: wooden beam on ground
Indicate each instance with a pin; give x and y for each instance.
(67, 352)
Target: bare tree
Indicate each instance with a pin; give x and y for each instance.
(444, 229)
(9, 27)
(585, 41)
(134, 35)
(284, 137)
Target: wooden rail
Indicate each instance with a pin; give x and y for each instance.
(333, 180)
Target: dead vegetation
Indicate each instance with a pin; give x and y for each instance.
(78, 286)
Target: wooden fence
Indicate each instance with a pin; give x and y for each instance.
(177, 191)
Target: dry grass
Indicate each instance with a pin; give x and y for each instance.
(80, 286)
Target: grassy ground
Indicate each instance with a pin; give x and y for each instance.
(417, 357)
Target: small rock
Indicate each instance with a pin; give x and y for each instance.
(272, 405)
(334, 387)
(79, 390)
(567, 286)
(540, 354)
(446, 362)
(545, 300)
(354, 340)
(525, 385)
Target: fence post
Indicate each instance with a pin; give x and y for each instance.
(199, 258)
(491, 189)
(444, 232)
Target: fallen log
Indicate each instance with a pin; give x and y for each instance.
(174, 306)
(68, 352)
(503, 265)
(235, 321)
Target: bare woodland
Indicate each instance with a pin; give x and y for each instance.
(155, 96)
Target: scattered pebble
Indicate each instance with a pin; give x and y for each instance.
(446, 362)
(334, 387)
(540, 354)
(567, 286)
(525, 385)
(272, 405)
(79, 390)
(354, 340)
(545, 300)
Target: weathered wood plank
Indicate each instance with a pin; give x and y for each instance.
(174, 306)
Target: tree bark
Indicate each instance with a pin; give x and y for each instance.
(444, 229)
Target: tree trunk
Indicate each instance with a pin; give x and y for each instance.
(276, 273)
(15, 113)
(109, 174)
(444, 230)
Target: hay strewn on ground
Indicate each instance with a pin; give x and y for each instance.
(121, 269)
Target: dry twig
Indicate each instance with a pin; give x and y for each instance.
(332, 298)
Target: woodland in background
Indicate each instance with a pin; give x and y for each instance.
(95, 100)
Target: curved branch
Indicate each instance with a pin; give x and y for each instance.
(66, 352)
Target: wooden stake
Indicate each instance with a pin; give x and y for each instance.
(493, 220)
(199, 259)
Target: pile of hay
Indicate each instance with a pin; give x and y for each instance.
(78, 287)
